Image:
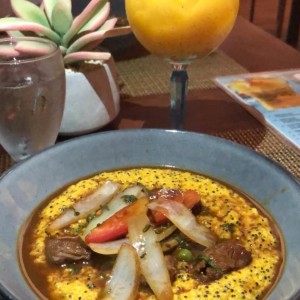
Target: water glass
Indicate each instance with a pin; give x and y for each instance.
(32, 95)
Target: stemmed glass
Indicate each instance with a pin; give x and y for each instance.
(181, 31)
(32, 88)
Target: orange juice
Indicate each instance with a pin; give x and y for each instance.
(181, 29)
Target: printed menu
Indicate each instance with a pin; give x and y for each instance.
(272, 97)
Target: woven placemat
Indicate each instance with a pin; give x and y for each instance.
(151, 75)
(5, 161)
(266, 143)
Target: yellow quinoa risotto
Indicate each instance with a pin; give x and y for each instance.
(216, 242)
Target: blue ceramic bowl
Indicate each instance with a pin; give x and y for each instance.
(27, 184)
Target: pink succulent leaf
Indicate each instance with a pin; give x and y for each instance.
(48, 6)
(30, 12)
(118, 31)
(8, 51)
(62, 17)
(93, 37)
(109, 24)
(81, 56)
(15, 34)
(63, 50)
(98, 19)
(42, 6)
(97, 36)
(25, 48)
(90, 10)
(13, 24)
(91, 46)
(33, 48)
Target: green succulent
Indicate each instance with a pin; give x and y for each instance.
(78, 37)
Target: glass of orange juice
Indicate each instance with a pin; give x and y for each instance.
(181, 31)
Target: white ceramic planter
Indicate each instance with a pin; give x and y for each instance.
(92, 99)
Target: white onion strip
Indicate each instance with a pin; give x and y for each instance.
(152, 261)
(85, 206)
(185, 221)
(125, 277)
(113, 247)
(116, 204)
(167, 232)
(108, 248)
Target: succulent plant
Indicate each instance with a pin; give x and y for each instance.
(78, 37)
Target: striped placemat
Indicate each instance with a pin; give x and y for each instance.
(5, 161)
(151, 75)
(268, 144)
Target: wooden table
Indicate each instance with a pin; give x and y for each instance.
(213, 111)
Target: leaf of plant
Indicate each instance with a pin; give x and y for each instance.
(62, 18)
(29, 12)
(109, 24)
(30, 48)
(98, 19)
(7, 51)
(63, 50)
(48, 7)
(15, 33)
(98, 36)
(33, 48)
(13, 24)
(91, 9)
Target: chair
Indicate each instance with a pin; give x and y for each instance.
(280, 14)
(294, 24)
(252, 10)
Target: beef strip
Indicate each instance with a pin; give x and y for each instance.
(60, 250)
(171, 266)
(229, 255)
(222, 258)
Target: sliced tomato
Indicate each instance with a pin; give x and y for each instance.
(116, 226)
(157, 217)
(189, 198)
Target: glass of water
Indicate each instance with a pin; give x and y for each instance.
(32, 95)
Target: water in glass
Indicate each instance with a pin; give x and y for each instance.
(32, 102)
